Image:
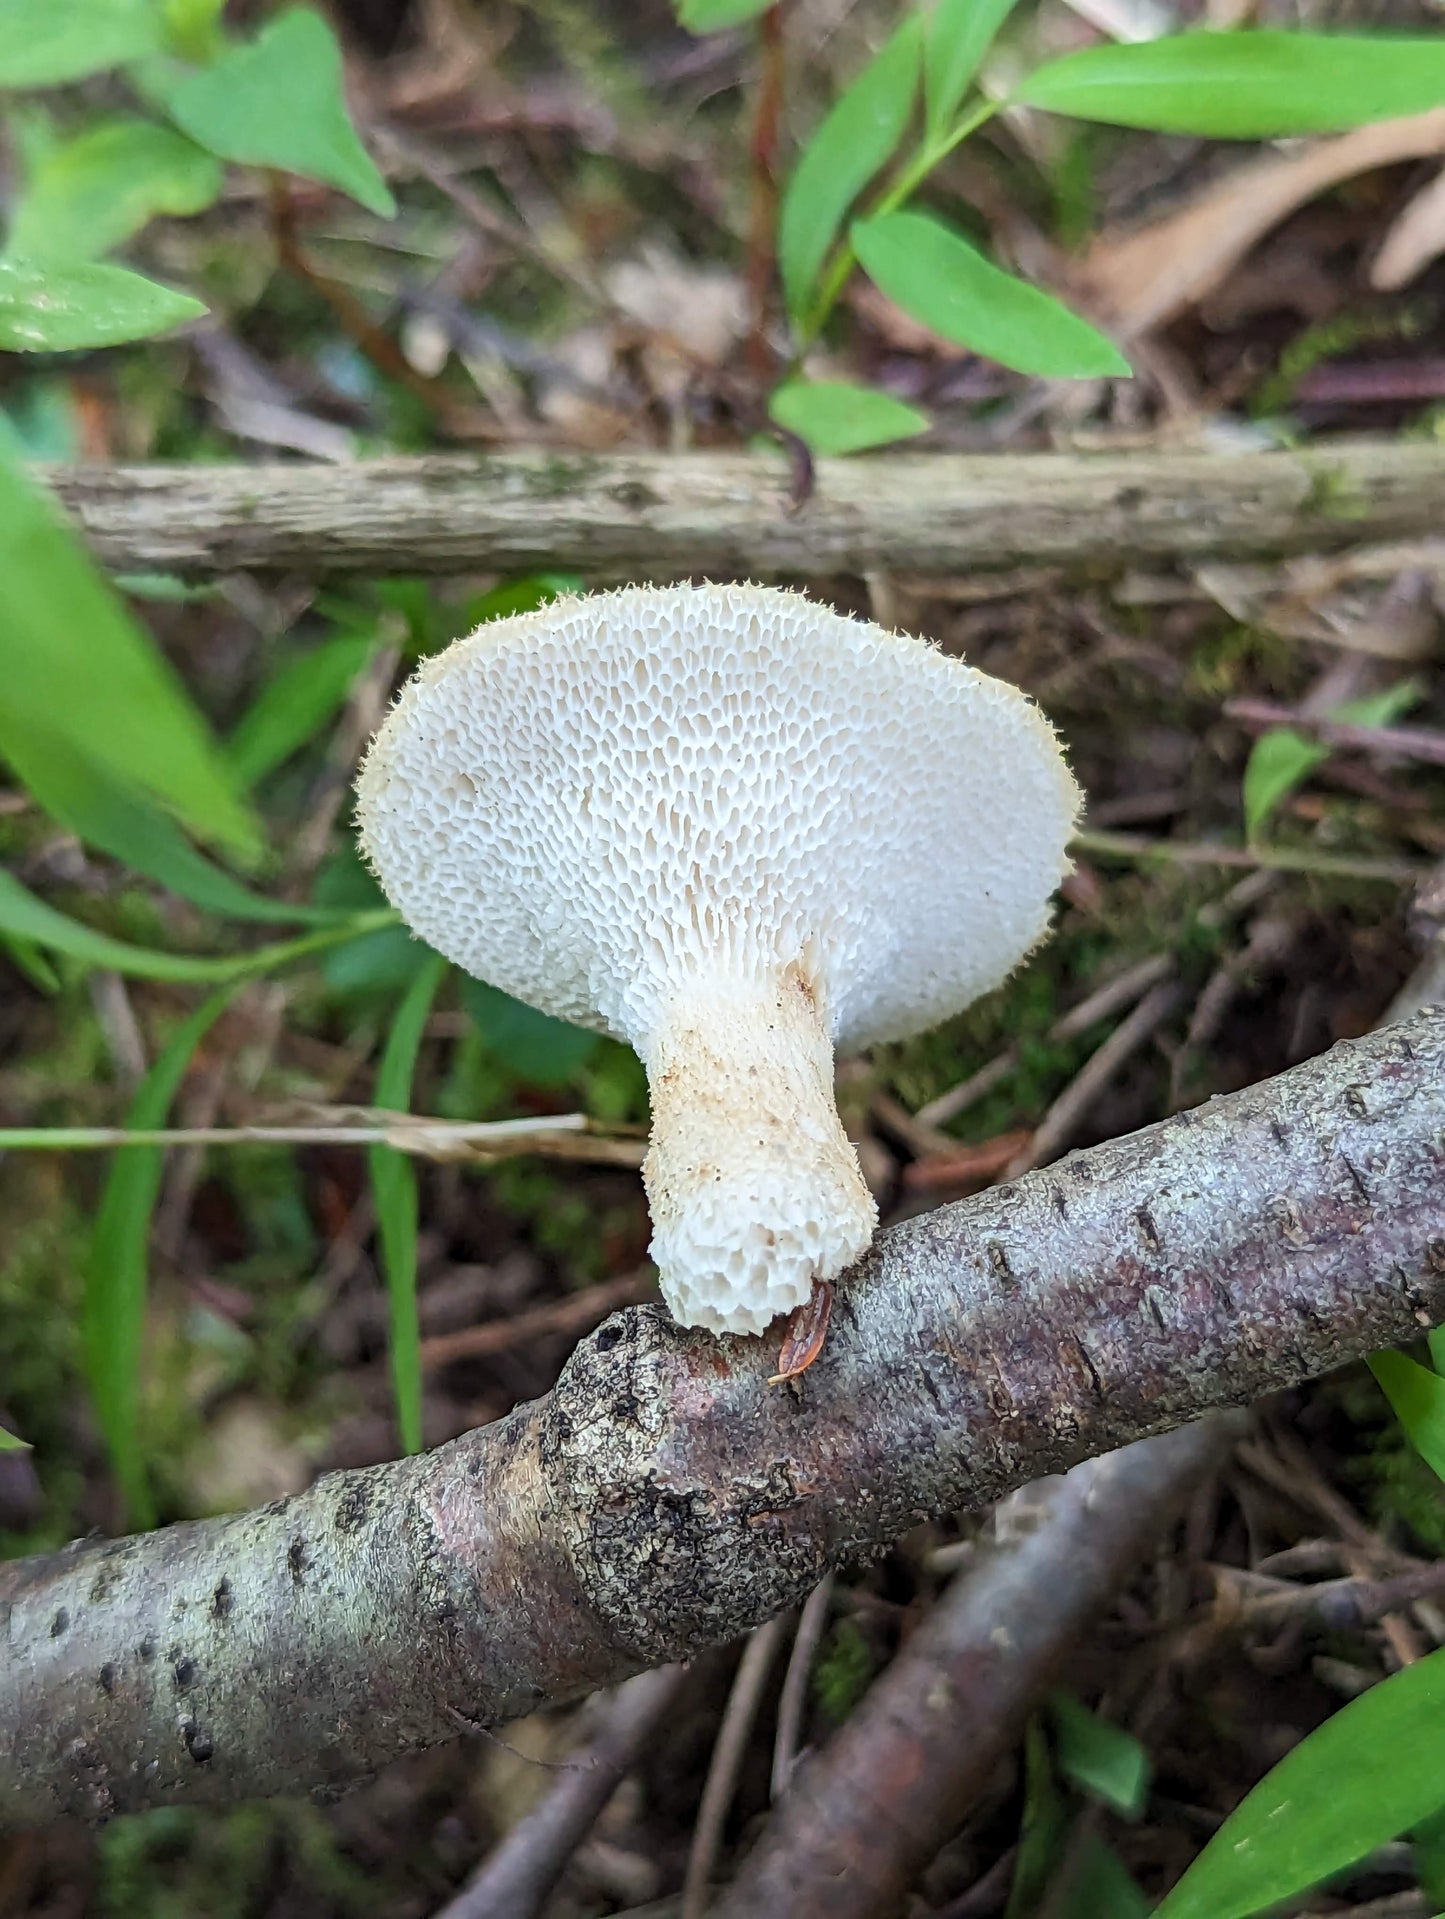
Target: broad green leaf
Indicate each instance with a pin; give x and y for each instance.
(1283, 759)
(393, 1185)
(113, 1315)
(10, 1444)
(1374, 1770)
(522, 595)
(959, 35)
(278, 101)
(44, 43)
(1279, 761)
(111, 815)
(537, 1048)
(858, 136)
(935, 275)
(1417, 1397)
(1244, 86)
(710, 16)
(123, 706)
(61, 308)
(291, 708)
(193, 29)
(1098, 1758)
(834, 416)
(95, 191)
(24, 917)
(1436, 1341)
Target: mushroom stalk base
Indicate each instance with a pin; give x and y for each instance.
(754, 1187)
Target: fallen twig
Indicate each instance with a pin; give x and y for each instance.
(664, 1497)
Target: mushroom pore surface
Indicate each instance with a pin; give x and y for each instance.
(737, 830)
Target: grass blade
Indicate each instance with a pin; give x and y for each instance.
(393, 1185)
(113, 1315)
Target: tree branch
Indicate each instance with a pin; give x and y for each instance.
(663, 1497)
(627, 514)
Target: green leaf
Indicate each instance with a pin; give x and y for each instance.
(1368, 1774)
(1435, 1339)
(1098, 1758)
(711, 16)
(1282, 759)
(1043, 1830)
(1244, 86)
(834, 416)
(123, 706)
(537, 1048)
(1417, 1397)
(95, 191)
(61, 308)
(113, 1315)
(10, 1444)
(295, 704)
(1099, 1887)
(107, 813)
(278, 101)
(24, 917)
(959, 35)
(393, 1185)
(1278, 762)
(935, 275)
(44, 43)
(858, 136)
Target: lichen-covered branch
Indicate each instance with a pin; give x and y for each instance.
(629, 515)
(663, 1496)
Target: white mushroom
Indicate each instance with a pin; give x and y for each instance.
(738, 830)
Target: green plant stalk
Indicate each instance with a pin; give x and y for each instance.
(927, 156)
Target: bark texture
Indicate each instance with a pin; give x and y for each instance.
(664, 1497)
(730, 514)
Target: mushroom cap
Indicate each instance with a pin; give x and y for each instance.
(589, 805)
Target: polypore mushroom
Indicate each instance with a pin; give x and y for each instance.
(738, 830)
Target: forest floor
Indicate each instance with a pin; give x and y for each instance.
(575, 200)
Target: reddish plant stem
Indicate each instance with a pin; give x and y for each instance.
(763, 214)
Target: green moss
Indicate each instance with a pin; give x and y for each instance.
(844, 1670)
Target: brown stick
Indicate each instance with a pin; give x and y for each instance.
(1405, 742)
(864, 1819)
(663, 1497)
(517, 1877)
(630, 514)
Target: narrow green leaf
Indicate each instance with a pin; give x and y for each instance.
(294, 705)
(959, 35)
(1417, 1397)
(1365, 1776)
(109, 814)
(935, 275)
(113, 1315)
(24, 917)
(1043, 1830)
(1100, 1759)
(1099, 1886)
(93, 192)
(711, 16)
(123, 706)
(537, 1048)
(1436, 1339)
(1244, 86)
(28, 959)
(834, 416)
(859, 135)
(279, 101)
(10, 1444)
(44, 43)
(61, 308)
(393, 1186)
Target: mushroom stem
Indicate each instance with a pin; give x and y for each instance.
(754, 1187)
